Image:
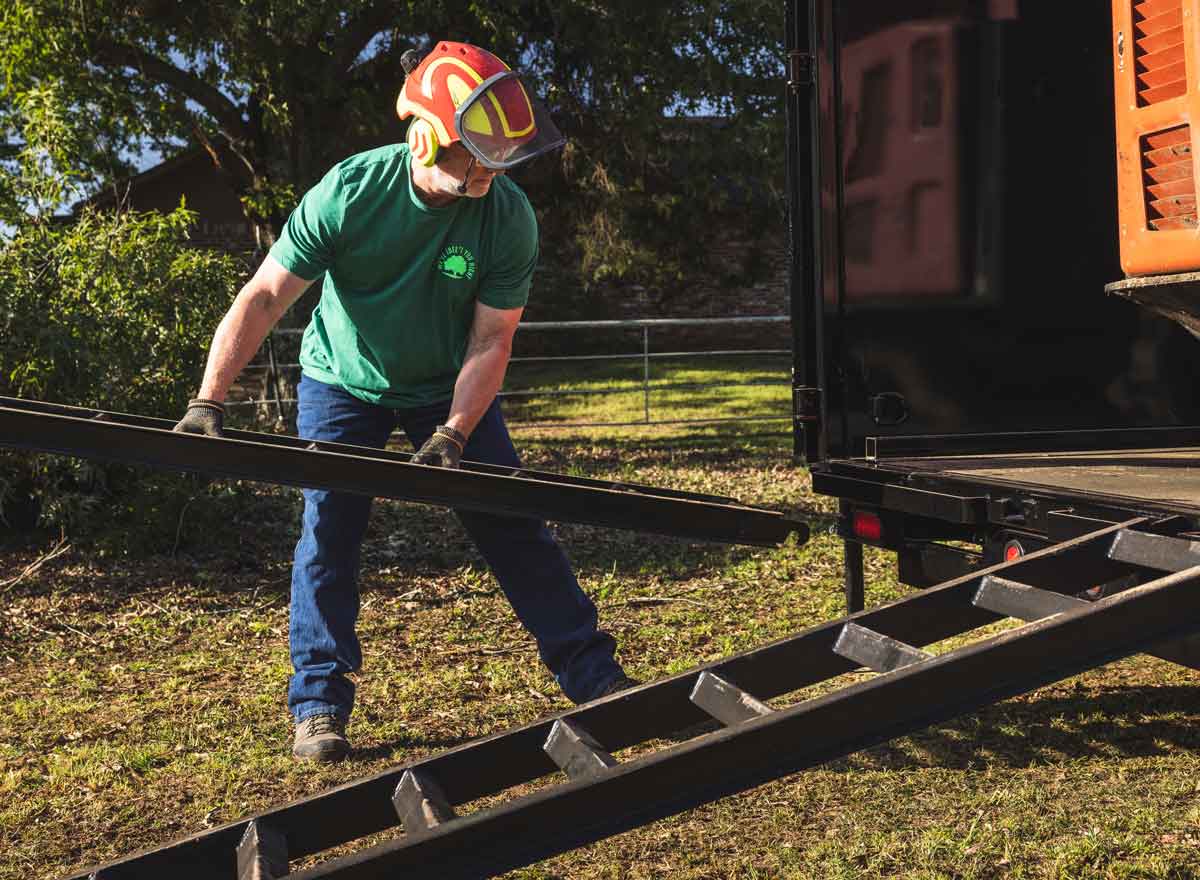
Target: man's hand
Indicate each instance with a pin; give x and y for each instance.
(443, 449)
(202, 417)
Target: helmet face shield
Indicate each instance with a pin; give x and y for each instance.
(502, 125)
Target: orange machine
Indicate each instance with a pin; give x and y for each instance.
(1157, 69)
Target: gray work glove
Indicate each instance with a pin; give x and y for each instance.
(202, 417)
(444, 448)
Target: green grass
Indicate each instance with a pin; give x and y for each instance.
(625, 399)
(143, 698)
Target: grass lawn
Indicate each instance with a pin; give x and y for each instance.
(143, 697)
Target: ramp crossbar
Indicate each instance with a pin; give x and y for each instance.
(271, 458)
(596, 794)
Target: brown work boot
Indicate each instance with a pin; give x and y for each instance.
(321, 738)
(620, 683)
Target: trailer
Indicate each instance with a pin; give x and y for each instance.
(962, 384)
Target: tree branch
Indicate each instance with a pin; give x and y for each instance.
(226, 113)
(357, 35)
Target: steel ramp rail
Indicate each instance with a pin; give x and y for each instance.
(599, 794)
(272, 458)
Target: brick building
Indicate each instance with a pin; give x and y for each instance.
(190, 176)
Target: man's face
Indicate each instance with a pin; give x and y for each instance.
(453, 165)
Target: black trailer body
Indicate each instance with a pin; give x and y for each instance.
(963, 383)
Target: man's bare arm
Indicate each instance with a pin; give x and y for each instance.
(482, 373)
(255, 310)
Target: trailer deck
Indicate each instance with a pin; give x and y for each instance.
(1157, 478)
(1148, 470)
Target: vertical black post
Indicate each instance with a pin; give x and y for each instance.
(855, 591)
(803, 233)
(852, 561)
(274, 380)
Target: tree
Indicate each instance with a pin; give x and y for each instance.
(113, 310)
(278, 90)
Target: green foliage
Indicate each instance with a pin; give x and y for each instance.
(675, 115)
(111, 310)
(269, 198)
(43, 175)
(278, 90)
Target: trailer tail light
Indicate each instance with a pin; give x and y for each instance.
(1157, 76)
(1013, 551)
(867, 525)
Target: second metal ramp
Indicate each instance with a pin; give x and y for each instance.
(271, 458)
(593, 792)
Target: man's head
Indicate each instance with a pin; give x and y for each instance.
(460, 94)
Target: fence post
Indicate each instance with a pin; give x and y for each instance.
(646, 371)
(275, 379)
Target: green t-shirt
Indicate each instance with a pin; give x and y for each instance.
(401, 277)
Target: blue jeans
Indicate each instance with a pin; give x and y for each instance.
(532, 569)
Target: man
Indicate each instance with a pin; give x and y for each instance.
(427, 251)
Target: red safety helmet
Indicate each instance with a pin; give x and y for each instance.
(459, 92)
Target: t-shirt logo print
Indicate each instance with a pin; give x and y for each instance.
(456, 262)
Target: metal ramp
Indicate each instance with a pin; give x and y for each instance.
(592, 793)
(272, 458)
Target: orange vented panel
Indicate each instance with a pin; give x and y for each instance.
(1157, 69)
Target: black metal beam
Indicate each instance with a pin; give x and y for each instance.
(806, 252)
(890, 496)
(1062, 525)
(494, 764)
(290, 442)
(292, 461)
(923, 565)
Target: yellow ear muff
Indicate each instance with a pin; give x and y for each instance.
(423, 142)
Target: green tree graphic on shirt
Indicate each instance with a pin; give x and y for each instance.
(455, 266)
(457, 261)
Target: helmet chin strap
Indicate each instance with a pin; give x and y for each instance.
(462, 187)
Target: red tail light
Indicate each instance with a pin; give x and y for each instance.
(867, 525)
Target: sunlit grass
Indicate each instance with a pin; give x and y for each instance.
(745, 388)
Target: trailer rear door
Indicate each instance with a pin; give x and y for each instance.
(960, 224)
